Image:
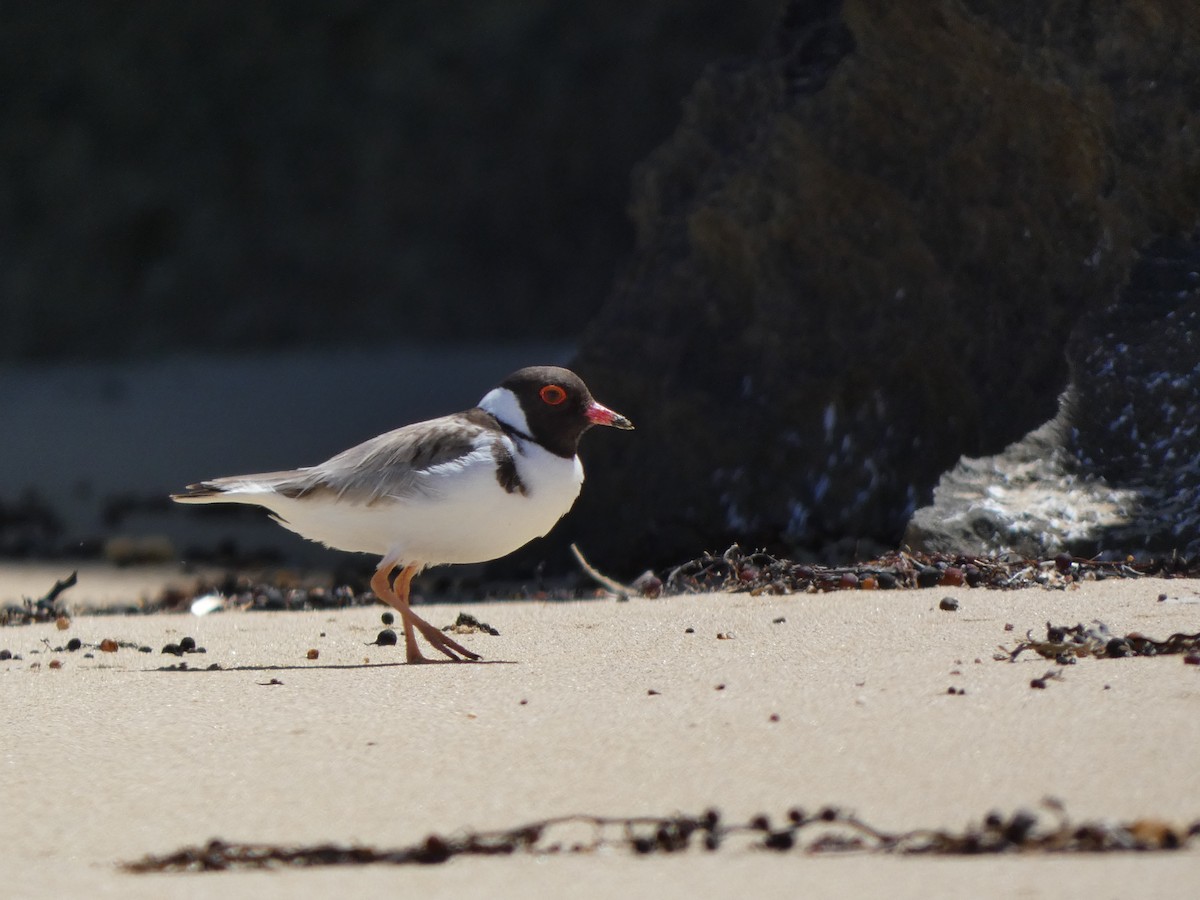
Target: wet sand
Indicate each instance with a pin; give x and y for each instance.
(845, 702)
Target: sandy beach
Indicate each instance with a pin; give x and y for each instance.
(597, 707)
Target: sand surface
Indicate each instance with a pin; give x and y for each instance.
(110, 758)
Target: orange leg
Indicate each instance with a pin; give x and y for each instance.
(397, 598)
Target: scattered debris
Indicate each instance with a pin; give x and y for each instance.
(609, 584)
(1051, 675)
(209, 603)
(1064, 644)
(185, 645)
(47, 609)
(827, 831)
(468, 624)
(760, 572)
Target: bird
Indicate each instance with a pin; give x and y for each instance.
(463, 488)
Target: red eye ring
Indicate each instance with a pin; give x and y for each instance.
(552, 394)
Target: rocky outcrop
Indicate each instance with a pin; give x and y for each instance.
(862, 254)
(1118, 469)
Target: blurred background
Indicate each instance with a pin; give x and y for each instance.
(864, 274)
(244, 237)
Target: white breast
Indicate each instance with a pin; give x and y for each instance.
(463, 516)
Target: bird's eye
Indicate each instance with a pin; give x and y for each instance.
(553, 394)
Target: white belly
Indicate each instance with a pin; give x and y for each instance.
(464, 516)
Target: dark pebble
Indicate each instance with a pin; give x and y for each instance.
(973, 576)
(1019, 826)
(778, 621)
(780, 840)
(173, 649)
(387, 618)
(1192, 659)
(5, 654)
(187, 644)
(145, 649)
(950, 604)
(74, 644)
(1038, 683)
(887, 581)
(386, 638)
(689, 631)
(929, 576)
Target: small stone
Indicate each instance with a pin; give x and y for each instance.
(887, 581)
(778, 621)
(1038, 684)
(1191, 659)
(387, 618)
(848, 581)
(724, 635)
(386, 638)
(952, 577)
(950, 604)
(62, 623)
(1008, 626)
(145, 649)
(652, 693)
(187, 644)
(74, 644)
(928, 576)
(173, 649)
(720, 687)
(313, 653)
(55, 664)
(108, 645)
(868, 583)
(774, 717)
(689, 630)
(1162, 598)
(648, 585)
(5, 654)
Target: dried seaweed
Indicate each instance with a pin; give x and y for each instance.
(828, 830)
(759, 572)
(45, 609)
(1066, 643)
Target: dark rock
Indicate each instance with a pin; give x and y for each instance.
(1115, 469)
(950, 604)
(860, 256)
(386, 638)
